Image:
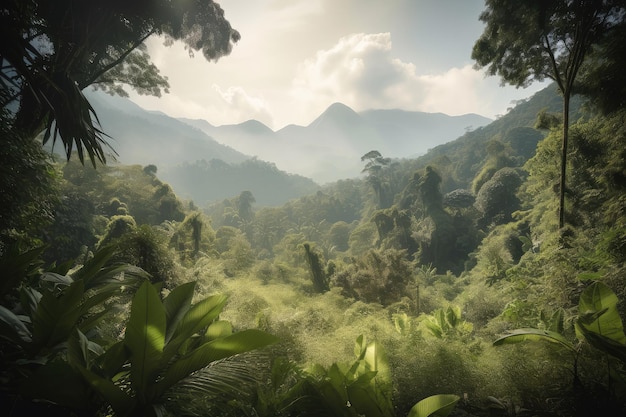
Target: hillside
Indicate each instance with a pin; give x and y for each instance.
(192, 162)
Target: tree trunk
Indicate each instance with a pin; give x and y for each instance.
(566, 97)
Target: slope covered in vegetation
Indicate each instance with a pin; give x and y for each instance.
(435, 259)
(471, 279)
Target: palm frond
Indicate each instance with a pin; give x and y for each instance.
(225, 387)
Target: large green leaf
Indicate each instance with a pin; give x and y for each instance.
(381, 387)
(437, 405)
(202, 356)
(521, 335)
(605, 344)
(13, 328)
(177, 304)
(29, 298)
(365, 398)
(145, 339)
(56, 317)
(114, 358)
(332, 390)
(598, 313)
(196, 319)
(219, 328)
(120, 401)
(90, 269)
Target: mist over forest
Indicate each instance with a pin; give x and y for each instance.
(374, 263)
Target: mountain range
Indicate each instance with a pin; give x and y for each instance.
(330, 147)
(297, 157)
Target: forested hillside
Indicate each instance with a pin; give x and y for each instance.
(194, 164)
(441, 285)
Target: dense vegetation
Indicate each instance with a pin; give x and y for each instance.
(445, 278)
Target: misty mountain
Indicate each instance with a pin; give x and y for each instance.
(143, 137)
(194, 164)
(331, 146)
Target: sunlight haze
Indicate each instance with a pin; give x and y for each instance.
(296, 58)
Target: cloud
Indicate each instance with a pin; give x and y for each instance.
(361, 71)
(358, 71)
(242, 105)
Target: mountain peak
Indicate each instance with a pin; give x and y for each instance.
(336, 113)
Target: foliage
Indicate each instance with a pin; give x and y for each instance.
(526, 41)
(165, 342)
(319, 276)
(598, 323)
(28, 185)
(146, 247)
(364, 387)
(444, 323)
(380, 277)
(497, 198)
(46, 65)
(49, 323)
(378, 178)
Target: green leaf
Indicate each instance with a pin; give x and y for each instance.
(56, 278)
(218, 329)
(14, 328)
(89, 271)
(114, 358)
(556, 321)
(434, 327)
(202, 356)
(453, 315)
(78, 349)
(120, 401)
(599, 299)
(437, 405)
(145, 339)
(29, 298)
(197, 318)
(605, 344)
(177, 304)
(56, 317)
(521, 335)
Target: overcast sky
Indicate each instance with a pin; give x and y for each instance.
(297, 57)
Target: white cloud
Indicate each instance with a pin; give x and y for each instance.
(241, 105)
(361, 71)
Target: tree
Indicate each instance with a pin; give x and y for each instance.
(375, 168)
(51, 51)
(318, 275)
(244, 206)
(534, 40)
(497, 198)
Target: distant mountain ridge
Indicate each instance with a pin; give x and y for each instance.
(188, 159)
(207, 163)
(330, 147)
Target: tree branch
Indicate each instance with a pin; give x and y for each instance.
(116, 62)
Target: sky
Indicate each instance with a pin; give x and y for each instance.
(297, 57)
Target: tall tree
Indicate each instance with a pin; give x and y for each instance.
(533, 40)
(51, 51)
(375, 168)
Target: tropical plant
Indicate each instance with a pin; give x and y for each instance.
(49, 311)
(165, 342)
(598, 323)
(43, 326)
(364, 387)
(443, 323)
